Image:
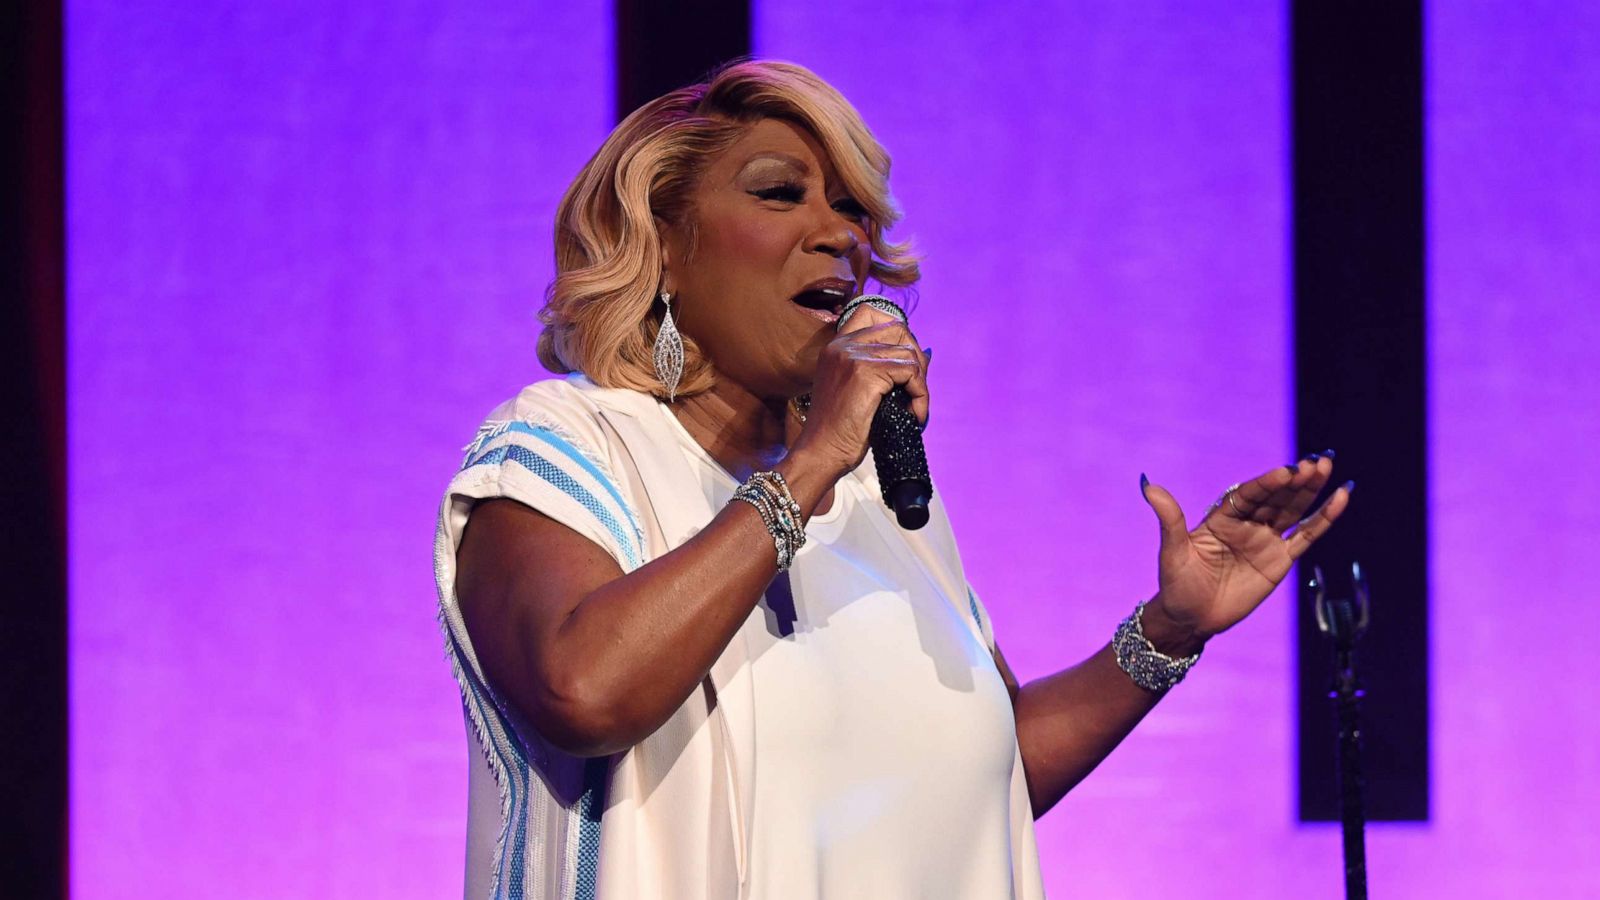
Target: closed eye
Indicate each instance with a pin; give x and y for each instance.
(851, 207)
(783, 193)
(792, 192)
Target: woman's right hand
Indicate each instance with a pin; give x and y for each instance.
(854, 371)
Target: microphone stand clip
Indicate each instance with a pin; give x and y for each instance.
(1344, 620)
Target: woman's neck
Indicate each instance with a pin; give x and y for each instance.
(741, 431)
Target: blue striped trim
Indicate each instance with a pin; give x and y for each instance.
(554, 439)
(972, 601)
(565, 483)
(590, 807)
(514, 837)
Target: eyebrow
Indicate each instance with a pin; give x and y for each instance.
(780, 156)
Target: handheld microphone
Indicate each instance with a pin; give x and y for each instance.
(896, 438)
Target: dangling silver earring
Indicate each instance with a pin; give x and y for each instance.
(669, 351)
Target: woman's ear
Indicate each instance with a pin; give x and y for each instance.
(671, 242)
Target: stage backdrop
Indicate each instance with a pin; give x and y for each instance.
(1513, 117)
(306, 243)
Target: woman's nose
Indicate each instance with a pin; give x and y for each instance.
(834, 236)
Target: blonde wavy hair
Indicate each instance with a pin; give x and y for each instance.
(600, 316)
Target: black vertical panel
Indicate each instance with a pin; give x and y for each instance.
(1360, 378)
(33, 636)
(663, 46)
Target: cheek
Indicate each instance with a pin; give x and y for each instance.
(756, 247)
(739, 268)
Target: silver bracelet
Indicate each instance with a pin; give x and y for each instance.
(1148, 667)
(782, 521)
(769, 493)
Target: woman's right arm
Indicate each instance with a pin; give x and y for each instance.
(597, 660)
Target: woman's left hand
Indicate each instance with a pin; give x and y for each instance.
(1214, 576)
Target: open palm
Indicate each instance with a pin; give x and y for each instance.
(1214, 576)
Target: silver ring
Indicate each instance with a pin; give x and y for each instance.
(1229, 494)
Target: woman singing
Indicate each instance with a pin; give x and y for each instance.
(699, 658)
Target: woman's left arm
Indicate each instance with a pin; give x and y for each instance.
(1211, 578)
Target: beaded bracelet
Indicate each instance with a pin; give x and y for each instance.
(769, 493)
(780, 521)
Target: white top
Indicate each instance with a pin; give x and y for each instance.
(854, 739)
(881, 695)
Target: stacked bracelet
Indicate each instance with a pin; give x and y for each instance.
(1148, 667)
(769, 494)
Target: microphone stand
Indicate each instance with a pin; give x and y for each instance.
(1344, 620)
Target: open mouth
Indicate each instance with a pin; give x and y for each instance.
(824, 300)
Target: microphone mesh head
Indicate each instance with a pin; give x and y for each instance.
(876, 301)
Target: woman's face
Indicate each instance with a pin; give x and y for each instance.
(772, 221)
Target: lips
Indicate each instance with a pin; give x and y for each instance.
(825, 297)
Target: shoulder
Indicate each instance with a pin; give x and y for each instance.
(549, 448)
(554, 402)
(564, 410)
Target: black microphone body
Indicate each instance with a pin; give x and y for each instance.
(896, 440)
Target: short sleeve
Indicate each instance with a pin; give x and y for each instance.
(545, 449)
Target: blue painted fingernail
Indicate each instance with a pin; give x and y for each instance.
(1328, 453)
(928, 352)
(1314, 457)
(1349, 486)
(1144, 482)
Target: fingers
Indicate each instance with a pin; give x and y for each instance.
(890, 332)
(1310, 476)
(927, 363)
(1253, 500)
(891, 342)
(1317, 524)
(1275, 498)
(1279, 497)
(1174, 529)
(867, 316)
(917, 387)
(904, 367)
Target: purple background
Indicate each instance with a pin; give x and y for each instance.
(1514, 348)
(306, 243)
